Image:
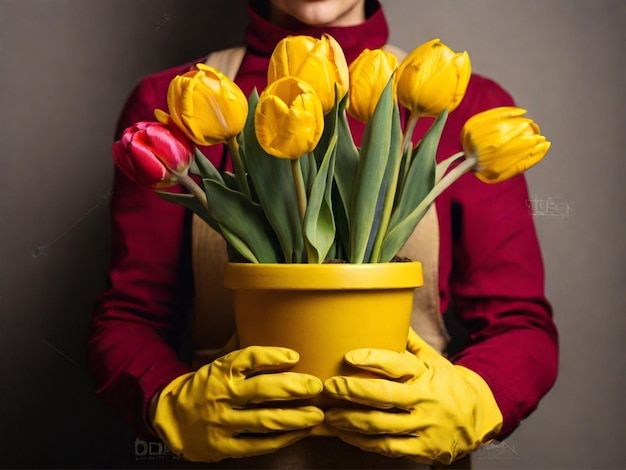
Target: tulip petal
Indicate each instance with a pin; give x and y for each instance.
(146, 147)
(337, 58)
(174, 152)
(369, 74)
(121, 159)
(433, 78)
(269, 114)
(319, 62)
(206, 105)
(288, 118)
(493, 114)
(288, 56)
(518, 167)
(503, 142)
(317, 73)
(163, 117)
(464, 69)
(147, 168)
(174, 93)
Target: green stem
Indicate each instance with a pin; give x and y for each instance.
(406, 141)
(193, 187)
(312, 170)
(443, 166)
(409, 129)
(385, 216)
(240, 171)
(298, 181)
(445, 182)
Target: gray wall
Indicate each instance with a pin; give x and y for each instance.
(66, 67)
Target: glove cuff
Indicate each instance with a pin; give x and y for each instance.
(488, 418)
(163, 421)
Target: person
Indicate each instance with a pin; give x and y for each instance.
(490, 275)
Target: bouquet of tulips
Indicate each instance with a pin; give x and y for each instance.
(302, 191)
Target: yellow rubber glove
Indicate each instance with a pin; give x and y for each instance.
(215, 413)
(437, 411)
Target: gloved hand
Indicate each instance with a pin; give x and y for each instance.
(206, 415)
(437, 411)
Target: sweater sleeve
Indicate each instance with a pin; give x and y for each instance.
(496, 282)
(130, 354)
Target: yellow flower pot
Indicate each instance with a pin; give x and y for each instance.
(323, 310)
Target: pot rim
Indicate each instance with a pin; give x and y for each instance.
(403, 275)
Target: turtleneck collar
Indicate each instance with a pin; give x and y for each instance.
(262, 36)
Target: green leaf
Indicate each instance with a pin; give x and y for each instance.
(203, 167)
(272, 179)
(419, 181)
(369, 176)
(243, 222)
(329, 132)
(230, 181)
(378, 212)
(189, 201)
(346, 164)
(388, 190)
(319, 224)
(420, 177)
(241, 249)
(309, 170)
(342, 232)
(345, 168)
(234, 242)
(398, 236)
(404, 169)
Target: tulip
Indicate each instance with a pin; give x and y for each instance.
(206, 105)
(289, 120)
(503, 143)
(153, 154)
(319, 62)
(497, 144)
(433, 78)
(369, 74)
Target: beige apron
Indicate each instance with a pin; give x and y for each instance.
(213, 329)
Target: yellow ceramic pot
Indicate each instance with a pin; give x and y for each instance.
(323, 310)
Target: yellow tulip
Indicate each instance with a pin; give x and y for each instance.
(288, 119)
(433, 78)
(369, 74)
(319, 62)
(503, 142)
(206, 105)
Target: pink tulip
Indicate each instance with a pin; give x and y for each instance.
(151, 153)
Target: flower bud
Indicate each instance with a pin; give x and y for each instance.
(369, 74)
(289, 120)
(148, 152)
(433, 78)
(319, 62)
(503, 142)
(206, 105)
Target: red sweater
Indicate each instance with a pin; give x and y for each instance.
(490, 272)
